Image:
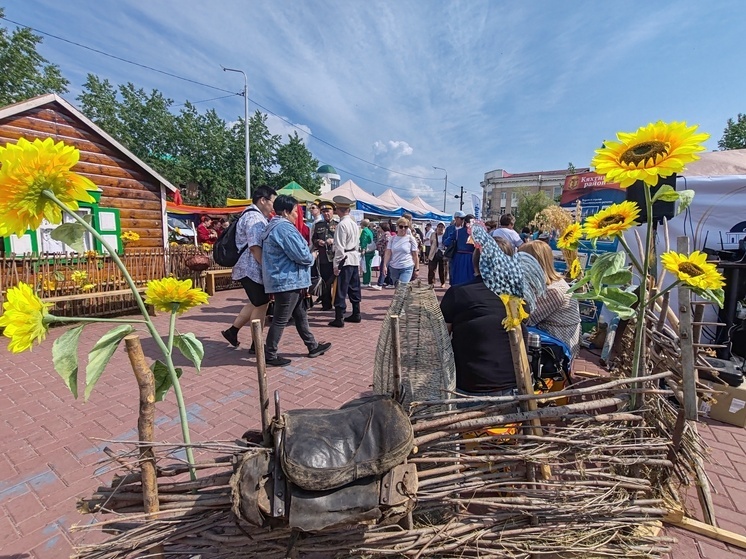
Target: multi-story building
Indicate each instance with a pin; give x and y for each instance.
(501, 189)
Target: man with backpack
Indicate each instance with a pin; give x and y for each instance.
(248, 268)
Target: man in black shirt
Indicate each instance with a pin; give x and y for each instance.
(481, 347)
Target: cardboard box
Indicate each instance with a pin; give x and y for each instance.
(730, 407)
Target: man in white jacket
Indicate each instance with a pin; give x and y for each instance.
(346, 264)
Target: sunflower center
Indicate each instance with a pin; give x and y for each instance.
(610, 220)
(691, 269)
(642, 152)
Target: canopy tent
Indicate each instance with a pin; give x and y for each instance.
(364, 201)
(298, 192)
(718, 164)
(392, 198)
(437, 214)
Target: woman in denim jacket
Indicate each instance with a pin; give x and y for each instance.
(286, 270)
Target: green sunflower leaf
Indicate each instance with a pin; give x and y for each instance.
(163, 379)
(624, 313)
(65, 358)
(622, 277)
(685, 200)
(618, 297)
(99, 356)
(71, 234)
(191, 348)
(666, 193)
(716, 296)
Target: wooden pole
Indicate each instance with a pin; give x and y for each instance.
(396, 356)
(689, 373)
(261, 370)
(523, 380)
(145, 422)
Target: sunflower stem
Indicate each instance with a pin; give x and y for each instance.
(55, 318)
(638, 359)
(172, 327)
(148, 322)
(635, 261)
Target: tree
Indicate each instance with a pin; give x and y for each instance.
(734, 135)
(297, 164)
(263, 149)
(529, 204)
(24, 73)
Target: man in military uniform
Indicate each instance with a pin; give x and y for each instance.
(346, 264)
(322, 241)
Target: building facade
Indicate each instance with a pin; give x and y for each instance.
(330, 178)
(501, 189)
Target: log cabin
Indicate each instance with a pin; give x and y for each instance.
(131, 196)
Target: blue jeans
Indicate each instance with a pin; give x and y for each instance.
(401, 275)
(287, 304)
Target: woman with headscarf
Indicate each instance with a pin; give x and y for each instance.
(462, 269)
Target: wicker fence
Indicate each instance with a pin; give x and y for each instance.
(91, 284)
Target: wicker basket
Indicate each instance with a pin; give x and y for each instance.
(427, 366)
(198, 262)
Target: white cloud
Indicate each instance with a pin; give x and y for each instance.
(277, 125)
(394, 149)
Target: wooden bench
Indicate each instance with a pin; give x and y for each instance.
(97, 294)
(210, 276)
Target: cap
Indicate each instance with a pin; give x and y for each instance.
(325, 204)
(460, 214)
(343, 202)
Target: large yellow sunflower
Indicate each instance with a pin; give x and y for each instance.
(28, 168)
(570, 237)
(693, 270)
(658, 149)
(166, 292)
(23, 318)
(575, 269)
(611, 221)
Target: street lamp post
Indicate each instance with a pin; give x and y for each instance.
(445, 186)
(461, 202)
(246, 126)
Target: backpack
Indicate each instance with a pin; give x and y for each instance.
(224, 251)
(556, 358)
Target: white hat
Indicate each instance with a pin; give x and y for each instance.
(460, 214)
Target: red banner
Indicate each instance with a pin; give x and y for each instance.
(582, 184)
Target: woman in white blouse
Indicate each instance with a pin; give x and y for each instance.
(401, 258)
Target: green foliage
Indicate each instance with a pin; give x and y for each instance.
(72, 234)
(734, 135)
(530, 204)
(297, 164)
(65, 358)
(99, 356)
(24, 73)
(605, 280)
(191, 348)
(162, 379)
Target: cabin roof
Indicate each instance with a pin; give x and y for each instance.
(52, 98)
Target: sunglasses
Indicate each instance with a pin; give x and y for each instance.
(403, 226)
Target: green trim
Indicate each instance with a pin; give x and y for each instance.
(108, 233)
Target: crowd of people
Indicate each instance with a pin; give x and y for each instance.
(280, 261)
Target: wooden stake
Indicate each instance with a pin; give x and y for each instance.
(523, 377)
(689, 373)
(261, 370)
(677, 518)
(145, 422)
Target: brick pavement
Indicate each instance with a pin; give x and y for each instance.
(52, 443)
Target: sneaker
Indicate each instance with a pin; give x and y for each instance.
(376, 287)
(319, 349)
(231, 337)
(388, 287)
(278, 362)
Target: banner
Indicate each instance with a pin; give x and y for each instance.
(476, 204)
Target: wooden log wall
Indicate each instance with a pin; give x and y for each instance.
(124, 184)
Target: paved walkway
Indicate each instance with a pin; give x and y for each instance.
(52, 443)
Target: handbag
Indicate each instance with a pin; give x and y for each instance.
(317, 284)
(450, 251)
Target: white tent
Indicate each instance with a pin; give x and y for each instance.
(364, 201)
(718, 164)
(418, 201)
(392, 198)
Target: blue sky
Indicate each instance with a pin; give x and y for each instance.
(469, 86)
